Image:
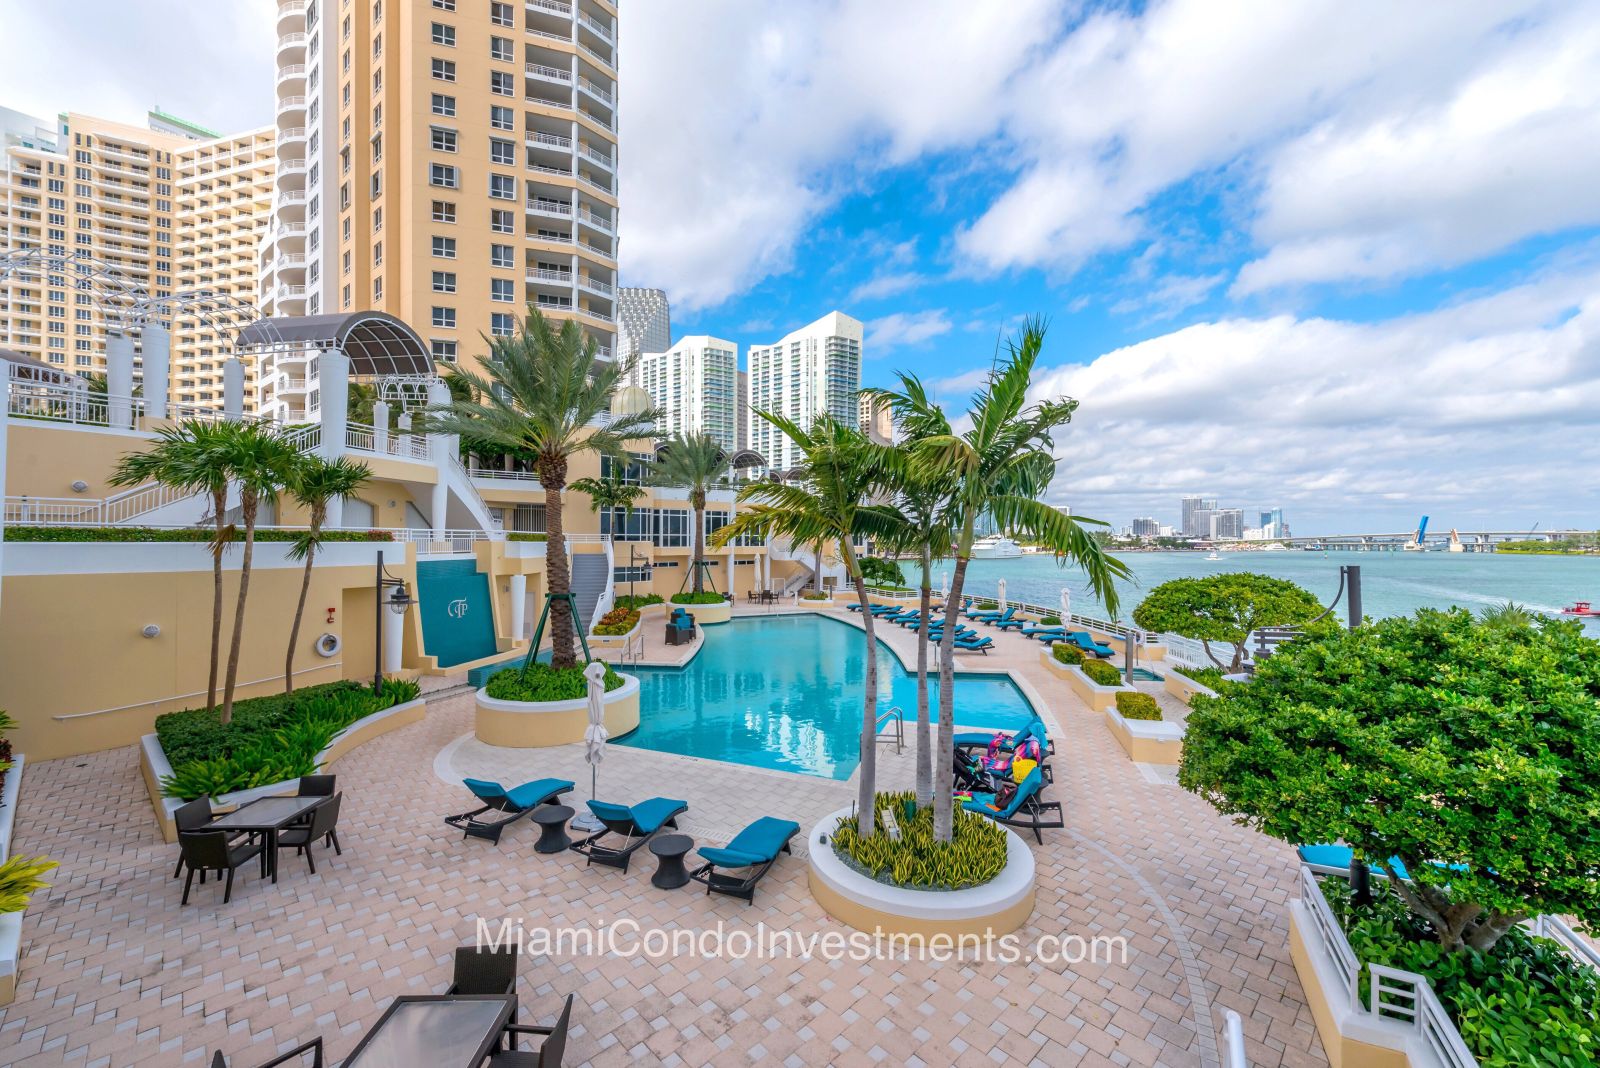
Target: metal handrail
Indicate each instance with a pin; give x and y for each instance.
(898, 733)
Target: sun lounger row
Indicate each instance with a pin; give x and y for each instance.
(979, 780)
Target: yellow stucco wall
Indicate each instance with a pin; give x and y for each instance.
(44, 459)
(1342, 1051)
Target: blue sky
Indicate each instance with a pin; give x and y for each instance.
(1335, 256)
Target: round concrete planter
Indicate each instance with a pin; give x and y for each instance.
(535, 724)
(706, 614)
(997, 907)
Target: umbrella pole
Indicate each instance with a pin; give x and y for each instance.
(585, 821)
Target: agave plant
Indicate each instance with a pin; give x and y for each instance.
(19, 879)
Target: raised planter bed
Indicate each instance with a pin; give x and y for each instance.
(10, 922)
(1097, 697)
(1183, 687)
(616, 641)
(706, 614)
(153, 763)
(1147, 741)
(998, 907)
(535, 724)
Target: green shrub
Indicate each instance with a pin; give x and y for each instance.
(1210, 677)
(813, 595)
(1066, 654)
(19, 878)
(638, 601)
(1049, 621)
(986, 606)
(1525, 1002)
(271, 738)
(524, 535)
(975, 854)
(186, 534)
(541, 682)
(1132, 704)
(708, 597)
(617, 621)
(1102, 673)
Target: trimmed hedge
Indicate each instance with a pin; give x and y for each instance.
(182, 534)
(1066, 654)
(707, 597)
(1049, 621)
(813, 596)
(541, 682)
(637, 601)
(1101, 672)
(1209, 677)
(524, 535)
(1134, 705)
(270, 739)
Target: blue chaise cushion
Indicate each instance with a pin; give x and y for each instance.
(484, 790)
(531, 794)
(646, 817)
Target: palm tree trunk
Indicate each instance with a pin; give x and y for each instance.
(867, 793)
(924, 743)
(697, 516)
(816, 576)
(944, 771)
(553, 476)
(247, 507)
(317, 513)
(219, 504)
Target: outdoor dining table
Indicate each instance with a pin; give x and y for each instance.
(268, 816)
(434, 1031)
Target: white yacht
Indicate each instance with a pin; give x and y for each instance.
(995, 547)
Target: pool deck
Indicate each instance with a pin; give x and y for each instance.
(116, 973)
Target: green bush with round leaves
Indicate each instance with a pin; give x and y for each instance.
(541, 682)
(1066, 654)
(1131, 704)
(1101, 673)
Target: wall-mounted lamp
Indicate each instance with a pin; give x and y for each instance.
(150, 630)
(79, 486)
(398, 601)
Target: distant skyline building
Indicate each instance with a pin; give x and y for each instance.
(1196, 516)
(877, 421)
(1273, 524)
(1226, 524)
(695, 385)
(1146, 527)
(812, 371)
(644, 321)
(743, 406)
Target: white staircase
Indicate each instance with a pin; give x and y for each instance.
(591, 576)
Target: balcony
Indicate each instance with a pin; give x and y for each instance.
(554, 209)
(546, 73)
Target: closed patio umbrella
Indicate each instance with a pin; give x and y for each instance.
(1066, 605)
(594, 738)
(1002, 595)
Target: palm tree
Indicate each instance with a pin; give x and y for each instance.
(920, 498)
(259, 461)
(698, 462)
(842, 468)
(315, 483)
(611, 492)
(1000, 467)
(187, 457)
(1510, 615)
(542, 391)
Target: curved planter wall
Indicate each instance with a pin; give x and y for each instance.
(706, 614)
(997, 907)
(535, 724)
(153, 763)
(10, 922)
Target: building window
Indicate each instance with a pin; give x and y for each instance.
(500, 83)
(502, 324)
(502, 221)
(500, 14)
(444, 70)
(377, 253)
(445, 317)
(444, 247)
(502, 152)
(443, 140)
(445, 5)
(500, 48)
(442, 174)
(444, 211)
(444, 35)
(444, 105)
(502, 290)
(444, 281)
(501, 117)
(443, 350)
(377, 289)
(502, 187)
(501, 256)
(377, 184)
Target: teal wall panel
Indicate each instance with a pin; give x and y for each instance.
(457, 620)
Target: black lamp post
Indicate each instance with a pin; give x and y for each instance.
(398, 601)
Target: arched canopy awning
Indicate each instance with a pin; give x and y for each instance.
(20, 368)
(379, 345)
(745, 458)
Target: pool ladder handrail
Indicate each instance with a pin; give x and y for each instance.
(898, 733)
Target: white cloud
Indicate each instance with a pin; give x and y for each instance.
(1170, 295)
(903, 329)
(886, 285)
(1481, 411)
(210, 63)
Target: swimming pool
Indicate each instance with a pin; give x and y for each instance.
(785, 692)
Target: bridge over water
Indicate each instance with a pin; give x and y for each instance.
(1469, 540)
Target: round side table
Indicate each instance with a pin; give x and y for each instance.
(670, 850)
(552, 821)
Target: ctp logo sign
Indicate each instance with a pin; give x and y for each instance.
(458, 608)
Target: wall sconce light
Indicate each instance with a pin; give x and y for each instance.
(79, 486)
(330, 615)
(150, 630)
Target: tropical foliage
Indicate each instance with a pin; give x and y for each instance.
(617, 621)
(697, 462)
(881, 571)
(539, 681)
(974, 855)
(543, 393)
(636, 600)
(704, 597)
(1066, 654)
(1131, 704)
(1470, 751)
(271, 739)
(315, 482)
(1225, 608)
(1524, 1002)
(20, 878)
(1101, 673)
(178, 534)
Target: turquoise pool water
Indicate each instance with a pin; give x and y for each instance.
(785, 692)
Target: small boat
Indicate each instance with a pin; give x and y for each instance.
(1213, 556)
(995, 547)
(1580, 608)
